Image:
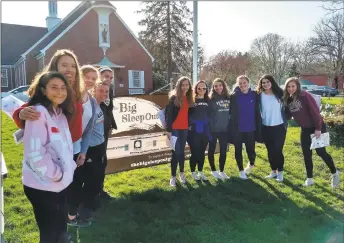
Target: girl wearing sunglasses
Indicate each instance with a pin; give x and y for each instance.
(199, 131)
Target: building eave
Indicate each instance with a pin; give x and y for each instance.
(106, 62)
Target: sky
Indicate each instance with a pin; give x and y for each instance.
(223, 25)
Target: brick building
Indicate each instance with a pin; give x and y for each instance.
(323, 80)
(93, 31)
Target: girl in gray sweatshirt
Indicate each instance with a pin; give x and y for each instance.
(219, 121)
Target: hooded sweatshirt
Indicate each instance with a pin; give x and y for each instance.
(48, 152)
(219, 113)
(305, 111)
(199, 117)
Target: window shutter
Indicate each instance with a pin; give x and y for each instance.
(142, 79)
(130, 77)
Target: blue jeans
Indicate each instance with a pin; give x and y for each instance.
(179, 154)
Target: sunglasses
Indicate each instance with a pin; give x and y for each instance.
(201, 88)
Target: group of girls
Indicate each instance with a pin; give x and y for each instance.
(245, 116)
(66, 123)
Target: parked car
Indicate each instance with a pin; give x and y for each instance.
(309, 87)
(18, 93)
(324, 91)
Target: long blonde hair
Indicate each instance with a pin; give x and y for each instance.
(177, 91)
(225, 90)
(286, 95)
(78, 84)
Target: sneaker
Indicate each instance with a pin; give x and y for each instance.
(202, 176)
(216, 175)
(309, 182)
(195, 176)
(223, 175)
(182, 178)
(173, 181)
(77, 222)
(280, 176)
(248, 168)
(242, 175)
(335, 180)
(271, 175)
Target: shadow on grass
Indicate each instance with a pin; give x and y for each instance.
(335, 193)
(231, 211)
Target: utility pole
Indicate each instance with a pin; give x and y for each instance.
(195, 43)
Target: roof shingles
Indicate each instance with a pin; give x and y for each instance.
(16, 39)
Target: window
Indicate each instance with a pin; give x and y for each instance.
(136, 79)
(4, 77)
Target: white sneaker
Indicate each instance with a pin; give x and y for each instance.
(195, 176)
(309, 182)
(335, 180)
(242, 175)
(173, 181)
(248, 168)
(271, 175)
(202, 176)
(216, 175)
(279, 176)
(223, 175)
(182, 178)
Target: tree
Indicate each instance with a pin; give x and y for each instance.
(334, 6)
(304, 57)
(329, 45)
(293, 72)
(158, 80)
(273, 54)
(187, 68)
(168, 27)
(226, 65)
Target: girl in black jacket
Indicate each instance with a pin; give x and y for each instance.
(177, 120)
(245, 123)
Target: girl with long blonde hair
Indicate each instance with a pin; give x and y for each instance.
(245, 123)
(177, 120)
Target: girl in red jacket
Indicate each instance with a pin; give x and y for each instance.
(65, 62)
(303, 108)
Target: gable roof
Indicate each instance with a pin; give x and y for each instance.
(22, 37)
(45, 39)
(67, 21)
(94, 4)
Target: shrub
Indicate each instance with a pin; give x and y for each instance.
(335, 127)
(292, 123)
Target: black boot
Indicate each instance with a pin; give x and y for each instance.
(65, 238)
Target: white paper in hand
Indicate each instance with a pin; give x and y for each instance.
(173, 142)
(322, 141)
(9, 104)
(18, 136)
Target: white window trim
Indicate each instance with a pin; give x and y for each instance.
(130, 79)
(2, 83)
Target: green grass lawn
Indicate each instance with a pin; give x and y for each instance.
(332, 100)
(146, 209)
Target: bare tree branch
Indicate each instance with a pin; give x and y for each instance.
(329, 44)
(274, 54)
